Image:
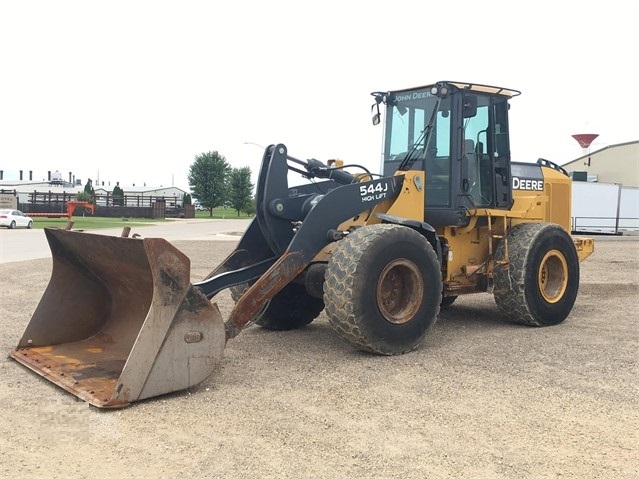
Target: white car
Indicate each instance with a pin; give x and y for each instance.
(14, 218)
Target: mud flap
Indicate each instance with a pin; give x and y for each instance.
(120, 321)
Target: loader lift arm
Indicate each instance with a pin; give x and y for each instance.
(289, 230)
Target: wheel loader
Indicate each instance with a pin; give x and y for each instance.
(451, 214)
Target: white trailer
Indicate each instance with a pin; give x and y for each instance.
(608, 208)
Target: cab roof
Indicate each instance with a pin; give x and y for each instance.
(476, 87)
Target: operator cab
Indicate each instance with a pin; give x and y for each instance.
(458, 134)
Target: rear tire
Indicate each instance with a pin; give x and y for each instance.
(291, 308)
(30, 225)
(383, 289)
(539, 285)
(12, 225)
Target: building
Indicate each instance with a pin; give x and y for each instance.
(25, 190)
(135, 195)
(613, 164)
(605, 192)
(52, 195)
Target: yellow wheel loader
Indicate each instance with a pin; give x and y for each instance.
(380, 254)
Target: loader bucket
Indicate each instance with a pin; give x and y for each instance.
(120, 321)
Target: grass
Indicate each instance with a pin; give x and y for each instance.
(222, 213)
(94, 222)
(91, 222)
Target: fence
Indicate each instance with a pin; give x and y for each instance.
(108, 205)
(603, 224)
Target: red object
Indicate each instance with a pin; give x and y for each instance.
(71, 205)
(585, 139)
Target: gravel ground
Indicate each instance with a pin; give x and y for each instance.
(481, 398)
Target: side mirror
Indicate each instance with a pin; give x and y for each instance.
(470, 106)
(377, 116)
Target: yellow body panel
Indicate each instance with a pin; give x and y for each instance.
(409, 204)
(470, 248)
(552, 205)
(411, 200)
(468, 253)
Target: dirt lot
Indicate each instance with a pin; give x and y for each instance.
(480, 399)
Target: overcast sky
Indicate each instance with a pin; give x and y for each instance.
(133, 90)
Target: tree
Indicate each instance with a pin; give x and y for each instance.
(118, 195)
(88, 189)
(186, 199)
(240, 189)
(208, 179)
(84, 196)
(251, 207)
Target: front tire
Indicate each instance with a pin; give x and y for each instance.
(291, 308)
(539, 284)
(30, 225)
(383, 289)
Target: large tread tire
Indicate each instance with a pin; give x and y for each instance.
(291, 308)
(383, 289)
(539, 285)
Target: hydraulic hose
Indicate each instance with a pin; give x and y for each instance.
(320, 170)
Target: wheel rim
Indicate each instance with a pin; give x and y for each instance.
(553, 276)
(400, 291)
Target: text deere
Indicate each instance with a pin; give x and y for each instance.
(527, 184)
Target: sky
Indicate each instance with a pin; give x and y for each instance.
(132, 91)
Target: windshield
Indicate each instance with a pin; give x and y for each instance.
(407, 117)
(407, 135)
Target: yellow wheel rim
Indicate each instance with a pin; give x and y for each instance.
(552, 277)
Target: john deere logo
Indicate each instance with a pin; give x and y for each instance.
(527, 184)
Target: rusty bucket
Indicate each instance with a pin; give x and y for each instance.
(120, 321)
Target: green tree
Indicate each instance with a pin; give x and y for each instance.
(88, 189)
(251, 208)
(208, 179)
(118, 195)
(84, 196)
(186, 199)
(240, 189)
